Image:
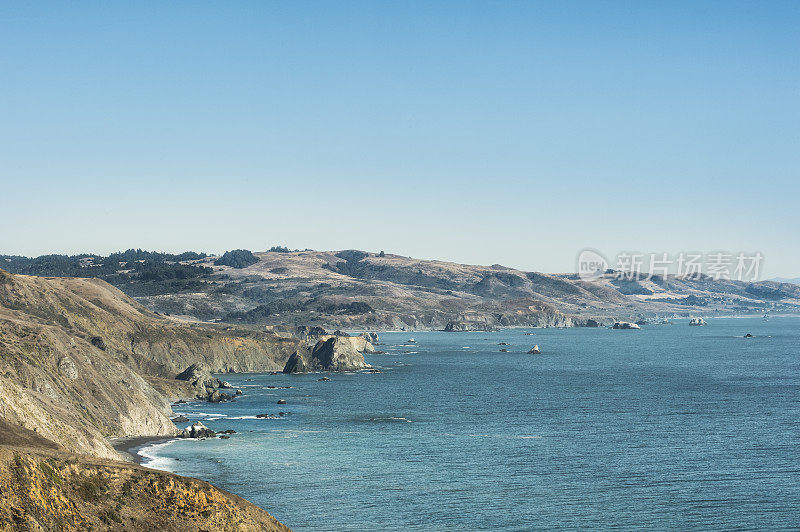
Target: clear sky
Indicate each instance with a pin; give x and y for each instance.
(482, 132)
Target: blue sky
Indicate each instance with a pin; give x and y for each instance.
(482, 132)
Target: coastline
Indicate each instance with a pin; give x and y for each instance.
(130, 447)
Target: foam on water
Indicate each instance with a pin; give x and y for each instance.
(152, 455)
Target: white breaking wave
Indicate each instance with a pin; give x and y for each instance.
(150, 458)
(272, 416)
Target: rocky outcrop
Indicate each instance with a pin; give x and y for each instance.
(207, 386)
(696, 322)
(625, 325)
(371, 337)
(197, 430)
(297, 363)
(306, 332)
(534, 350)
(337, 353)
(200, 376)
(466, 326)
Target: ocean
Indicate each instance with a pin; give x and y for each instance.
(666, 427)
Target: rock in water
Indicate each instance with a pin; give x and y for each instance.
(625, 325)
(197, 430)
(180, 419)
(697, 322)
(218, 397)
(370, 337)
(297, 364)
(534, 350)
(333, 354)
(337, 354)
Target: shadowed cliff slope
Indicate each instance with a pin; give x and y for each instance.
(80, 361)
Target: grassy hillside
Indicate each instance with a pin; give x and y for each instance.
(44, 488)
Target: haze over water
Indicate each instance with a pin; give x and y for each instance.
(669, 426)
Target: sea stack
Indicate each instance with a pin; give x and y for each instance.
(337, 353)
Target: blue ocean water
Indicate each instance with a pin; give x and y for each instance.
(667, 427)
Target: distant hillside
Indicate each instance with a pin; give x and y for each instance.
(359, 289)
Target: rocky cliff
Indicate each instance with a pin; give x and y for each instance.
(79, 362)
(334, 353)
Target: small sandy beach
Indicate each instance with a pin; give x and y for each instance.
(128, 447)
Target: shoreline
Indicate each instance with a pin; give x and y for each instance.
(129, 447)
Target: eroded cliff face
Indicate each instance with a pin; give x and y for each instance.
(80, 361)
(151, 343)
(71, 392)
